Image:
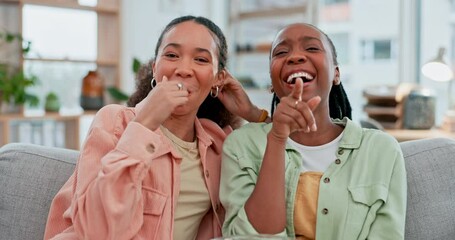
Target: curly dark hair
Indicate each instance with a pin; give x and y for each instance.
(339, 105)
(211, 108)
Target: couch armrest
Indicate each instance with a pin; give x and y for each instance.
(430, 166)
(30, 176)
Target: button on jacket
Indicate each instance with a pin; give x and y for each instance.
(126, 182)
(362, 194)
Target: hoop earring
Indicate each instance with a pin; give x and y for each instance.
(214, 95)
(153, 83)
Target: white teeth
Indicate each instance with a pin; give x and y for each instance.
(299, 74)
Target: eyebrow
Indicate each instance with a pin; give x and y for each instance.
(176, 45)
(301, 39)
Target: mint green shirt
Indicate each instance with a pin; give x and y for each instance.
(362, 194)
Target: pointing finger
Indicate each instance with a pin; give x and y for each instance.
(298, 89)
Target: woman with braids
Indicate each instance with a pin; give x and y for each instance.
(151, 170)
(312, 173)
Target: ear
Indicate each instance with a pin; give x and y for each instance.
(336, 79)
(153, 67)
(220, 77)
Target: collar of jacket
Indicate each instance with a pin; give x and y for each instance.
(352, 134)
(208, 132)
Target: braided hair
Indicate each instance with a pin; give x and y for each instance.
(339, 106)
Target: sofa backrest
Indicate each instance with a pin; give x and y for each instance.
(30, 176)
(430, 167)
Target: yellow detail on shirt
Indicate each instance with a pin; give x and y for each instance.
(306, 204)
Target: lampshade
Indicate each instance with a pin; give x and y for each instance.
(437, 69)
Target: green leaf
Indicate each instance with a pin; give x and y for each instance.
(117, 94)
(136, 65)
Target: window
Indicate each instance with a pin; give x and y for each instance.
(330, 2)
(62, 51)
(378, 50)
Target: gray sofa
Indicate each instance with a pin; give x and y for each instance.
(30, 175)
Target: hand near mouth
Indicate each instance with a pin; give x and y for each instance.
(159, 104)
(292, 114)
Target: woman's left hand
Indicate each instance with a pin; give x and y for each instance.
(236, 101)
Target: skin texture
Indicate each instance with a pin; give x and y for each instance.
(302, 114)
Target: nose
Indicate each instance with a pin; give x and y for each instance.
(184, 69)
(296, 58)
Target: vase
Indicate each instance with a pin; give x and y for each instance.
(92, 91)
(11, 107)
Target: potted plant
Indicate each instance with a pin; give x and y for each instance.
(13, 80)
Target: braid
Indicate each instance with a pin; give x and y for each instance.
(339, 105)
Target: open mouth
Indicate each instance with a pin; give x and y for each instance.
(306, 77)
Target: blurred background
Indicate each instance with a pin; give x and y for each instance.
(74, 56)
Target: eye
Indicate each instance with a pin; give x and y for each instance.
(313, 49)
(170, 55)
(279, 52)
(202, 59)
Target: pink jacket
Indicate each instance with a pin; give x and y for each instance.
(126, 182)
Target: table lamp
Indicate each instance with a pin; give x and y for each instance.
(438, 70)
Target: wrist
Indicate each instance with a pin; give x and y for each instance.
(258, 115)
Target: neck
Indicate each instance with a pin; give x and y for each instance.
(182, 127)
(326, 132)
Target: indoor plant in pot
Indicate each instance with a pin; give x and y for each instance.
(13, 80)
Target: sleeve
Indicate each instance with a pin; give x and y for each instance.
(238, 179)
(107, 201)
(391, 216)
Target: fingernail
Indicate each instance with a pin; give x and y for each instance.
(307, 130)
(314, 128)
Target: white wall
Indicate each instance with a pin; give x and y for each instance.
(143, 20)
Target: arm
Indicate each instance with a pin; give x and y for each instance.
(107, 201)
(264, 203)
(390, 218)
(236, 100)
(239, 175)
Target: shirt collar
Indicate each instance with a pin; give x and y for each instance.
(352, 135)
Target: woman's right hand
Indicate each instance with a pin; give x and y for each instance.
(292, 114)
(161, 102)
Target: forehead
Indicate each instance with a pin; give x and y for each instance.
(298, 31)
(192, 34)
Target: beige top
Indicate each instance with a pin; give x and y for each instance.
(194, 200)
(306, 204)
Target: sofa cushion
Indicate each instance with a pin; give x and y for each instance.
(430, 166)
(30, 176)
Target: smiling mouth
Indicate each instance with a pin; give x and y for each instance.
(306, 77)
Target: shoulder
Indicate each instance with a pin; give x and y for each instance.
(250, 131)
(251, 137)
(380, 139)
(113, 117)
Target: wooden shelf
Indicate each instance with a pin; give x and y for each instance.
(71, 5)
(9, 1)
(101, 62)
(407, 134)
(107, 61)
(381, 110)
(274, 12)
(59, 60)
